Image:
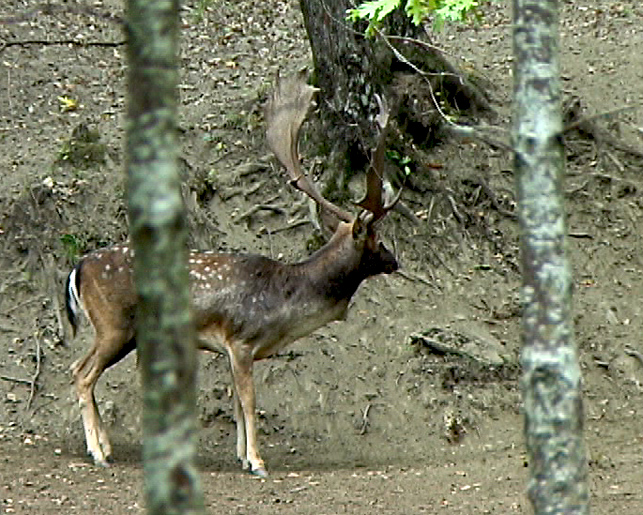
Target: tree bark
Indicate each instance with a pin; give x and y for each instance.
(165, 333)
(551, 374)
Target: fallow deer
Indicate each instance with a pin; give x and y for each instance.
(249, 306)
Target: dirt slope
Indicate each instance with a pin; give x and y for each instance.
(354, 418)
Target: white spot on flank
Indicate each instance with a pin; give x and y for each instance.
(108, 268)
(207, 268)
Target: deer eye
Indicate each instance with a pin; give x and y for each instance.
(359, 229)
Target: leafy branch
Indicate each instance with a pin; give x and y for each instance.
(374, 11)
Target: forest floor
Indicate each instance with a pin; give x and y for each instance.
(356, 417)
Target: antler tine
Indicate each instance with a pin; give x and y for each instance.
(285, 112)
(373, 200)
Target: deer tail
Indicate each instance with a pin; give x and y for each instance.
(72, 297)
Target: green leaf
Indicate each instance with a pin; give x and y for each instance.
(374, 11)
(417, 10)
(456, 10)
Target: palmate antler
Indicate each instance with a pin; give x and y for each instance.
(285, 112)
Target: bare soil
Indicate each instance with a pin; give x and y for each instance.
(354, 418)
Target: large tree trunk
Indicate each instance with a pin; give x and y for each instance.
(351, 69)
(551, 372)
(164, 332)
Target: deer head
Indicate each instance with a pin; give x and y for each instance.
(285, 112)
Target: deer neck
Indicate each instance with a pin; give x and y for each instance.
(334, 271)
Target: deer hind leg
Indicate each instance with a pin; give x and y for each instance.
(244, 399)
(86, 373)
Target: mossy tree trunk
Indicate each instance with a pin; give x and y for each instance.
(551, 372)
(165, 333)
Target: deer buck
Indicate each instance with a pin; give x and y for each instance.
(249, 306)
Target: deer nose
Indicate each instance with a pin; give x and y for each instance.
(388, 259)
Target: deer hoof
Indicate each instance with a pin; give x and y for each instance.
(259, 472)
(102, 463)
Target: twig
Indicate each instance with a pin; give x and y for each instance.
(575, 190)
(604, 114)
(50, 270)
(22, 305)
(616, 162)
(51, 9)
(600, 135)
(9, 89)
(418, 42)
(421, 73)
(255, 188)
(470, 90)
(293, 225)
(478, 132)
(494, 199)
(15, 380)
(441, 261)
(613, 178)
(269, 233)
(365, 419)
(64, 42)
(414, 277)
(634, 353)
(34, 378)
(454, 207)
(256, 166)
(258, 207)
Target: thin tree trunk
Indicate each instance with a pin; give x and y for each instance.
(551, 373)
(165, 333)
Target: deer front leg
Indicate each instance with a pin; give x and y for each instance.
(241, 365)
(240, 421)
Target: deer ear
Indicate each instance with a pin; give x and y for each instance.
(359, 229)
